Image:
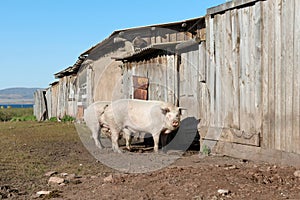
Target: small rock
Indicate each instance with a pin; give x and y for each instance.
(93, 177)
(297, 173)
(41, 193)
(198, 198)
(76, 181)
(244, 161)
(51, 173)
(223, 192)
(64, 174)
(214, 198)
(55, 180)
(108, 179)
(231, 167)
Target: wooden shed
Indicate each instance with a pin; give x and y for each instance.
(236, 69)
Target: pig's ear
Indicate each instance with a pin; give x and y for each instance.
(165, 110)
(180, 109)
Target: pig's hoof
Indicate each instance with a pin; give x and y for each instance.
(100, 146)
(118, 151)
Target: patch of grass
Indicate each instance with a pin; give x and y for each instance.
(23, 114)
(206, 150)
(68, 118)
(53, 119)
(24, 118)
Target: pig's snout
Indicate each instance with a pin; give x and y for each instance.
(175, 123)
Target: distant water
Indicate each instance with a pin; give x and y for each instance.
(16, 105)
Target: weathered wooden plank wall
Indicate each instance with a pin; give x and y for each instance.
(48, 100)
(281, 88)
(39, 108)
(161, 72)
(253, 73)
(192, 73)
(54, 100)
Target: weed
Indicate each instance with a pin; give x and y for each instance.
(53, 119)
(206, 150)
(68, 118)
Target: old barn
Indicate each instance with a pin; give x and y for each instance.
(235, 69)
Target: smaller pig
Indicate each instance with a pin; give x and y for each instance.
(131, 117)
(92, 116)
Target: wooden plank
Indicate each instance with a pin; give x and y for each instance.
(164, 82)
(211, 67)
(250, 72)
(296, 74)
(195, 73)
(266, 134)
(127, 82)
(204, 104)
(176, 79)
(229, 6)
(183, 75)
(228, 74)
(232, 135)
(288, 65)
(245, 95)
(257, 64)
(258, 154)
(202, 61)
(194, 82)
(188, 75)
(271, 66)
(173, 37)
(217, 97)
(221, 72)
(171, 78)
(278, 77)
(235, 67)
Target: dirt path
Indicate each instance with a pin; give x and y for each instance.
(28, 151)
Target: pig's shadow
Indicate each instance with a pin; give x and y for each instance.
(185, 138)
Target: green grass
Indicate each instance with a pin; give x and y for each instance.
(16, 114)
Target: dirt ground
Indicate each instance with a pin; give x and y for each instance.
(28, 150)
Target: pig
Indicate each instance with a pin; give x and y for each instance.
(92, 116)
(131, 116)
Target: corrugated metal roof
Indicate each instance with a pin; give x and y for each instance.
(71, 69)
(144, 51)
(54, 83)
(167, 46)
(164, 25)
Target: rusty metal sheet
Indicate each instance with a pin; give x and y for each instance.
(140, 82)
(140, 94)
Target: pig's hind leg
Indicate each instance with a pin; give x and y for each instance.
(115, 134)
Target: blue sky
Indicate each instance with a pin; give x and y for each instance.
(41, 37)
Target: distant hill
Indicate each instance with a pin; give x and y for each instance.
(17, 95)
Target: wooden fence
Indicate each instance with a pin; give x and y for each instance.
(253, 72)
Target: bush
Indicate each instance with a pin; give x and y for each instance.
(8, 114)
(53, 119)
(68, 118)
